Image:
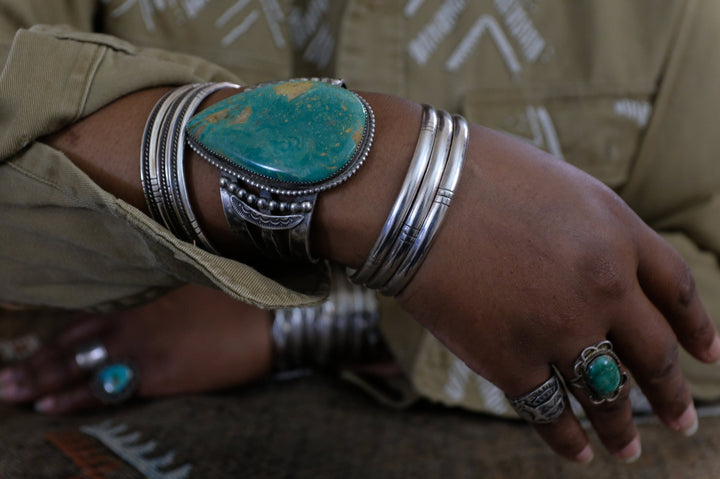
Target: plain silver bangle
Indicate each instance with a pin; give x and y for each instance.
(446, 190)
(403, 203)
(421, 205)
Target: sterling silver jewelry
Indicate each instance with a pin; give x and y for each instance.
(598, 371)
(91, 355)
(343, 329)
(150, 159)
(544, 404)
(177, 193)
(404, 201)
(420, 248)
(421, 204)
(162, 165)
(420, 207)
(269, 208)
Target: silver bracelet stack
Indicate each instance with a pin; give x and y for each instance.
(419, 209)
(163, 161)
(343, 329)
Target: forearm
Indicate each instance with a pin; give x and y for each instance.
(346, 220)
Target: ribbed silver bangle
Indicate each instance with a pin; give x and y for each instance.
(421, 204)
(149, 166)
(154, 171)
(168, 207)
(162, 161)
(178, 186)
(403, 203)
(342, 329)
(434, 219)
(175, 175)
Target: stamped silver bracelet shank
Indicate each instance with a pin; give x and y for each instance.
(403, 203)
(446, 190)
(421, 204)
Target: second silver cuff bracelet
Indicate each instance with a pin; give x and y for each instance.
(419, 209)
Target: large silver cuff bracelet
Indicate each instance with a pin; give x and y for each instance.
(277, 146)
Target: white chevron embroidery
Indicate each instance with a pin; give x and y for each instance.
(412, 6)
(543, 130)
(431, 36)
(483, 24)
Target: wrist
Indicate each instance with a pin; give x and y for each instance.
(348, 219)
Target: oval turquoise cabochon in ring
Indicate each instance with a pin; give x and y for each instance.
(300, 131)
(604, 376)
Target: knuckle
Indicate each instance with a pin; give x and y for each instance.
(665, 364)
(603, 273)
(686, 290)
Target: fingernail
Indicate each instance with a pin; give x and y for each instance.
(687, 423)
(586, 455)
(46, 404)
(715, 349)
(631, 452)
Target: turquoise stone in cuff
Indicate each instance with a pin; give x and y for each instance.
(115, 378)
(300, 131)
(603, 376)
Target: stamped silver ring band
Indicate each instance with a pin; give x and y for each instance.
(544, 404)
(598, 371)
(91, 355)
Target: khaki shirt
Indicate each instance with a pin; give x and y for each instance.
(623, 89)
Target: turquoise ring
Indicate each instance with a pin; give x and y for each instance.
(114, 382)
(598, 371)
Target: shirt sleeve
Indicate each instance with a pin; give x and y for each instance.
(67, 242)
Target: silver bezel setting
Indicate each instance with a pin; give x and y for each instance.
(580, 368)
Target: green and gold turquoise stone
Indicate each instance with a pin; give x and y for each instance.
(603, 376)
(115, 378)
(298, 132)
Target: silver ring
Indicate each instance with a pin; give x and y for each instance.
(114, 382)
(91, 355)
(544, 404)
(598, 371)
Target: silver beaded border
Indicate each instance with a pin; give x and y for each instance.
(235, 187)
